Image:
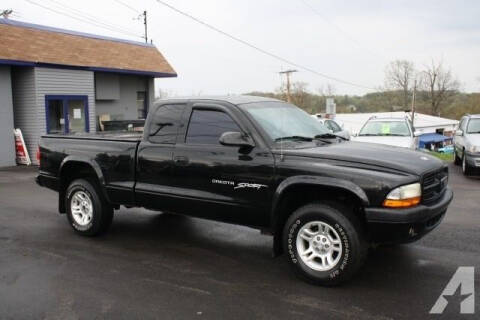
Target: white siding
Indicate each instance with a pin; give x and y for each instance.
(25, 110)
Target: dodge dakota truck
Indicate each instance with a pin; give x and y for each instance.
(257, 162)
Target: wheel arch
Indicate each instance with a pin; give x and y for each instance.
(77, 167)
(286, 199)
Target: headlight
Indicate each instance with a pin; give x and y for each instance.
(404, 196)
(473, 149)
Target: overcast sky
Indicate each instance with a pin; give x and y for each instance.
(350, 40)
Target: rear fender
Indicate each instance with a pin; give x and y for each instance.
(80, 160)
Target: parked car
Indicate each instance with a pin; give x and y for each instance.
(397, 132)
(258, 162)
(335, 127)
(467, 143)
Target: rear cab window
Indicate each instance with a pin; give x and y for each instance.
(165, 122)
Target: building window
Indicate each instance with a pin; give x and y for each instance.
(141, 104)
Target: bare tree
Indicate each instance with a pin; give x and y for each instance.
(327, 91)
(399, 75)
(440, 85)
(299, 94)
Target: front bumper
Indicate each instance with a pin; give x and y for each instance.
(409, 224)
(473, 159)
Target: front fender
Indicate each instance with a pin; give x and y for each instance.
(307, 180)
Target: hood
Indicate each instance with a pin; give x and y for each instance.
(401, 159)
(404, 142)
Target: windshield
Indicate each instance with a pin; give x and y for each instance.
(385, 128)
(474, 126)
(282, 120)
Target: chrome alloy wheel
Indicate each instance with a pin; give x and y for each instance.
(319, 246)
(82, 208)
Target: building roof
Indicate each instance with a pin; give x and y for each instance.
(422, 122)
(35, 45)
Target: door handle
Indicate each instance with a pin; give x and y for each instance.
(181, 160)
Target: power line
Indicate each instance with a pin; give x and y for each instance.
(89, 17)
(126, 5)
(346, 34)
(83, 20)
(262, 50)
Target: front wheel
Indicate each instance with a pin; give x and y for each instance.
(458, 160)
(87, 211)
(325, 243)
(466, 169)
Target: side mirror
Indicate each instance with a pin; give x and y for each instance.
(459, 133)
(236, 139)
(417, 133)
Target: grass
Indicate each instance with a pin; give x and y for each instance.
(448, 157)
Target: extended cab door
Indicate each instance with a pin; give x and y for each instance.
(227, 183)
(155, 157)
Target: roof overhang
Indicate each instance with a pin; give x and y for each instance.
(95, 69)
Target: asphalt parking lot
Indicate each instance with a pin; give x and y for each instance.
(152, 265)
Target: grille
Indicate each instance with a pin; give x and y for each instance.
(433, 185)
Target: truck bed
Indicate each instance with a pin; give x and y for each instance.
(110, 135)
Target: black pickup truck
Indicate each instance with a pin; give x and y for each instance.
(258, 162)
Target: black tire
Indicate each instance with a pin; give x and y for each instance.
(102, 212)
(348, 228)
(466, 169)
(458, 160)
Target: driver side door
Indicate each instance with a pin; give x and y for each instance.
(226, 183)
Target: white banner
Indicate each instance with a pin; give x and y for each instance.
(21, 149)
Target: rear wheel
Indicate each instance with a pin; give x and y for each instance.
(325, 243)
(87, 211)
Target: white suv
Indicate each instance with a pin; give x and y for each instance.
(467, 143)
(397, 132)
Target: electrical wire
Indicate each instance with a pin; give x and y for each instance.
(84, 20)
(345, 34)
(128, 6)
(89, 17)
(265, 52)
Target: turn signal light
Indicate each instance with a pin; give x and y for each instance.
(403, 203)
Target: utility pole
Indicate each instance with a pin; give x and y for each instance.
(145, 23)
(6, 13)
(287, 73)
(413, 100)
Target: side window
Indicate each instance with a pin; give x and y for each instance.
(206, 126)
(164, 123)
(464, 124)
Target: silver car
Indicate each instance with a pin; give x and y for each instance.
(467, 143)
(335, 127)
(397, 132)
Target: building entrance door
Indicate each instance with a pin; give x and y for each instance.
(66, 114)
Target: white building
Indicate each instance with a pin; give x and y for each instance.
(424, 123)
